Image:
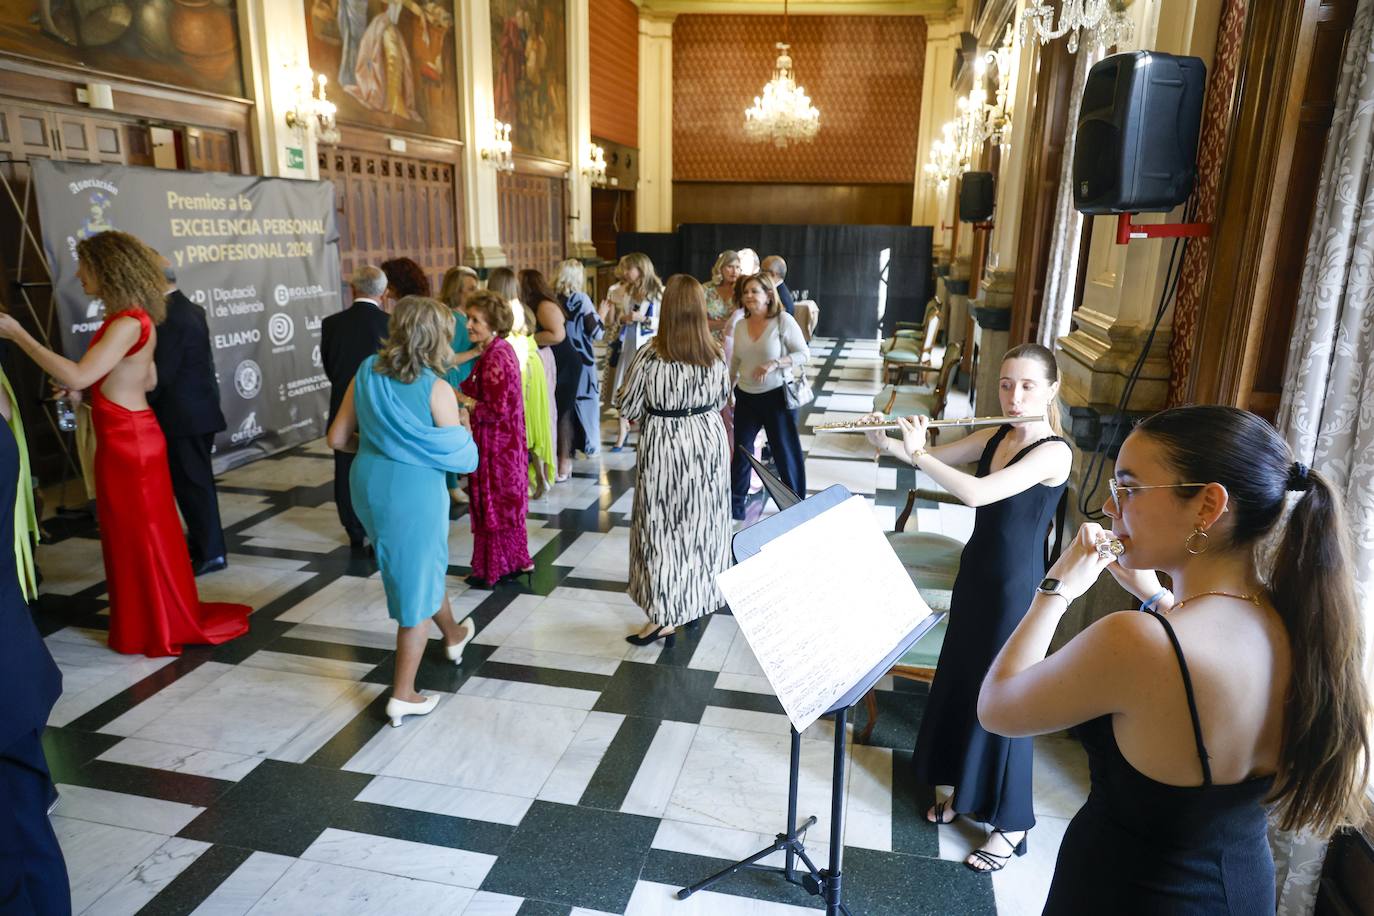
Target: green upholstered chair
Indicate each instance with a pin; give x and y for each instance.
(926, 400)
(910, 347)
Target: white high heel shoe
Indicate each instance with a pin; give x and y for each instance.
(455, 651)
(396, 710)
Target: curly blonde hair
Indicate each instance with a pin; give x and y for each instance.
(127, 273)
(420, 338)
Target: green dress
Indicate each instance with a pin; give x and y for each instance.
(538, 402)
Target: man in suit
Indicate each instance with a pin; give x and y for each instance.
(346, 339)
(186, 404)
(777, 267)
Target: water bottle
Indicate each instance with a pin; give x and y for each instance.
(66, 416)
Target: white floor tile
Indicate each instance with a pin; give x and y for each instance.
(237, 894)
(148, 878)
(316, 887)
(654, 781)
(99, 856)
(406, 859)
(178, 758)
(651, 899)
(118, 809)
(578, 764)
(447, 800)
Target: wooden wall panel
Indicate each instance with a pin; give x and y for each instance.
(791, 204)
(533, 230)
(864, 73)
(614, 39)
(390, 206)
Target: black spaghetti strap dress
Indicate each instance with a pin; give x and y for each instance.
(1143, 848)
(1002, 563)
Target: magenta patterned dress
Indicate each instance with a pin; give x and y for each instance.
(499, 489)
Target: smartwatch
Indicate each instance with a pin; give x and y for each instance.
(1050, 586)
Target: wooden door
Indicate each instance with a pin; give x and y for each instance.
(210, 150)
(533, 232)
(390, 206)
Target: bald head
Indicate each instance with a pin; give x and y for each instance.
(368, 281)
(775, 266)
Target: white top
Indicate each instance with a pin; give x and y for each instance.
(781, 337)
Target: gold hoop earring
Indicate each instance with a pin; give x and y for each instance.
(1190, 547)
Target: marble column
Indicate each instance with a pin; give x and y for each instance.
(929, 203)
(654, 196)
(579, 131)
(273, 39)
(481, 223)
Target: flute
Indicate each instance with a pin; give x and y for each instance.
(862, 426)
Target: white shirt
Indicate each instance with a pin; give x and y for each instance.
(781, 337)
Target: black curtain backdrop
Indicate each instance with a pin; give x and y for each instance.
(841, 266)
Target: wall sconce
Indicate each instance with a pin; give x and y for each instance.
(312, 112)
(498, 153)
(595, 166)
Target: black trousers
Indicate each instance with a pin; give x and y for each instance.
(343, 497)
(33, 875)
(769, 412)
(193, 483)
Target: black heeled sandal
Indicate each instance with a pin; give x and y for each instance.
(476, 581)
(940, 807)
(992, 860)
(669, 639)
(516, 575)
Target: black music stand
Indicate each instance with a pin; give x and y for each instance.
(826, 882)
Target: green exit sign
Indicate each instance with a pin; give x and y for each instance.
(295, 158)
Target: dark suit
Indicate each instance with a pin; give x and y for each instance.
(33, 877)
(346, 339)
(788, 302)
(186, 403)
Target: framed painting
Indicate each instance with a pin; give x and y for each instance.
(188, 43)
(529, 56)
(390, 63)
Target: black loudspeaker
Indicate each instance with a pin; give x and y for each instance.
(1136, 150)
(975, 197)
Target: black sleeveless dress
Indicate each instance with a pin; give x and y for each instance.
(1145, 848)
(1002, 563)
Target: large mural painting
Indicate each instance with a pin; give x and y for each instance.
(529, 54)
(390, 63)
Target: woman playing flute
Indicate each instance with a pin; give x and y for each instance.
(1021, 474)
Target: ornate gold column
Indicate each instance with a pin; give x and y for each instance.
(654, 196)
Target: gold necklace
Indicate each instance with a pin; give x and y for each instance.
(1253, 599)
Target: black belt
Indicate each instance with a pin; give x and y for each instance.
(684, 412)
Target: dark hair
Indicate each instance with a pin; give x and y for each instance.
(405, 277)
(683, 335)
(1045, 358)
(502, 282)
(534, 289)
(496, 311)
(765, 279)
(1324, 760)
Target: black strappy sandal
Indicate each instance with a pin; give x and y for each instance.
(992, 860)
(940, 808)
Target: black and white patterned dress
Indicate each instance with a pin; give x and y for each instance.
(680, 530)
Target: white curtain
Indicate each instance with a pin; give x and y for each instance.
(1327, 411)
(1061, 274)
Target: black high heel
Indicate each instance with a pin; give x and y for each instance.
(476, 581)
(514, 576)
(992, 860)
(635, 639)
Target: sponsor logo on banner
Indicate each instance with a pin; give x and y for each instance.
(284, 294)
(248, 430)
(280, 329)
(237, 338)
(95, 317)
(313, 323)
(248, 379)
(241, 300)
(302, 386)
(316, 359)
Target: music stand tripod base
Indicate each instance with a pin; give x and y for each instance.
(819, 882)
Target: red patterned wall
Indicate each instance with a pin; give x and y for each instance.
(1211, 154)
(862, 72)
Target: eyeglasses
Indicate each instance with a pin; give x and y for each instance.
(1119, 492)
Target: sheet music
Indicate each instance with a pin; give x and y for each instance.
(821, 606)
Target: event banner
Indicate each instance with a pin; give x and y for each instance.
(260, 255)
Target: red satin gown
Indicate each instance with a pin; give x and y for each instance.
(154, 608)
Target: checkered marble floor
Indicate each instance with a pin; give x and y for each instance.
(564, 771)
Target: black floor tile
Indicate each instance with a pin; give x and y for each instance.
(69, 749)
(661, 691)
(620, 764)
(188, 890)
(877, 883)
(577, 856)
(423, 827)
(279, 808)
(680, 869)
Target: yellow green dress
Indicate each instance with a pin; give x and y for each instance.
(538, 435)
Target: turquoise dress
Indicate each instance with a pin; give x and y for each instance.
(398, 487)
(457, 375)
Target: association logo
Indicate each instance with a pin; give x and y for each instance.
(248, 430)
(280, 329)
(281, 295)
(95, 316)
(248, 379)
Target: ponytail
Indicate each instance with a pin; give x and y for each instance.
(1324, 762)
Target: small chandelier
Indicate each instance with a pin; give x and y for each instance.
(1104, 25)
(784, 113)
(946, 163)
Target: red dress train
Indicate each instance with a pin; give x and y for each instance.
(154, 608)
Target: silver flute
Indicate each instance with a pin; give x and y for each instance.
(863, 426)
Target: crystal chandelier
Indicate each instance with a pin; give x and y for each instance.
(976, 120)
(946, 163)
(1104, 25)
(784, 113)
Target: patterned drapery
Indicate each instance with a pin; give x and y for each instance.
(1327, 411)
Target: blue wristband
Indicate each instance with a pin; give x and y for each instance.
(1149, 604)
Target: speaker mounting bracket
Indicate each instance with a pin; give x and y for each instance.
(1127, 230)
